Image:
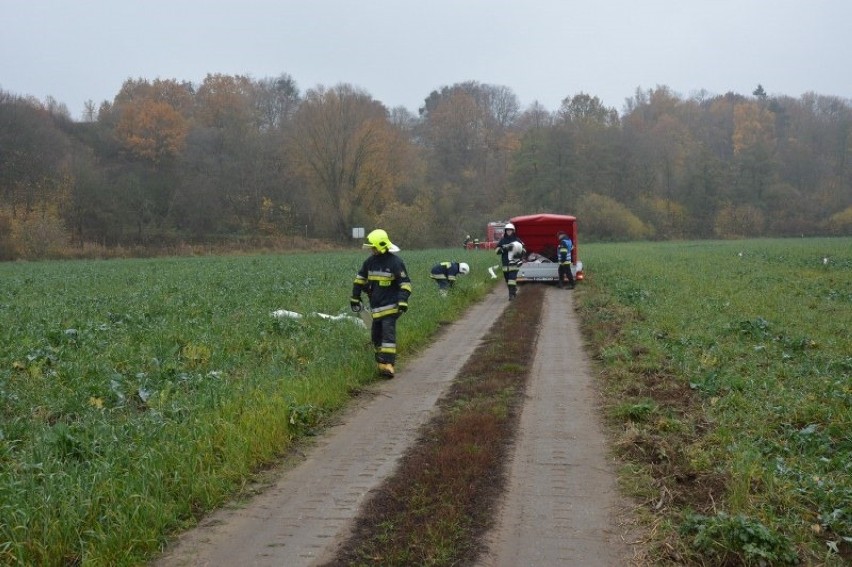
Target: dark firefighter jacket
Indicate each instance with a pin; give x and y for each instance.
(445, 271)
(385, 280)
(504, 253)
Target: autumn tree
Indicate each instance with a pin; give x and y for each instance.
(469, 137)
(149, 121)
(275, 101)
(605, 218)
(151, 130)
(345, 149)
(754, 149)
(566, 155)
(233, 165)
(32, 152)
(596, 131)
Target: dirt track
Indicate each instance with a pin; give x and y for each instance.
(561, 507)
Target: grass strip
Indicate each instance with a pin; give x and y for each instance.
(726, 371)
(441, 500)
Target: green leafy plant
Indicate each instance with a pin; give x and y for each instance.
(738, 539)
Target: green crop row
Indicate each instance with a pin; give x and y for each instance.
(728, 370)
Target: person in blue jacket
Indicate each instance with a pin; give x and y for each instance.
(384, 278)
(564, 247)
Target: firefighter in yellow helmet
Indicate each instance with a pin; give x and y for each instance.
(384, 278)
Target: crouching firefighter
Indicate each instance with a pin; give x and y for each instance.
(385, 280)
(445, 274)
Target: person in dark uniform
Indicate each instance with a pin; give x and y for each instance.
(445, 274)
(384, 278)
(510, 249)
(563, 256)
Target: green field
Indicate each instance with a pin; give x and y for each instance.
(727, 369)
(136, 394)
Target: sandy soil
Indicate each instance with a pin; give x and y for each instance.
(562, 507)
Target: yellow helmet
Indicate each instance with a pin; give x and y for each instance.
(379, 240)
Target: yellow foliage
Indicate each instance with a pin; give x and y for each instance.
(606, 218)
(754, 126)
(408, 225)
(151, 130)
(39, 234)
(224, 100)
(669, 218)
(348, 153)
(841, 223)
(741, 221)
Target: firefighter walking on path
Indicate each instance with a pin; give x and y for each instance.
(563, 256)
(445, 274)
(384, 278)
(510, 249)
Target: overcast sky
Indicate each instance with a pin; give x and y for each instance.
(400, 50)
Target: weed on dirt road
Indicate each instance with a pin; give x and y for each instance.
(441, 500)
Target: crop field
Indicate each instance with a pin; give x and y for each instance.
(727, 370)
(137, 394)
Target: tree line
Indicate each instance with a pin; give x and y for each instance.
(235, 159)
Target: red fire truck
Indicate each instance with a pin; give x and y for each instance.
(493, 233)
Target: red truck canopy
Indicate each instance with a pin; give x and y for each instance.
(538, 232)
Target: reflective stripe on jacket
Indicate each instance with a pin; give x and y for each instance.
(384, 278)
(445, 271)
(563, 251)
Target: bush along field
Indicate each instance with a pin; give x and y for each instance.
(726, 369)
(137, 394)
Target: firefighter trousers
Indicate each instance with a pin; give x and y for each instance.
(510, 274)
(565, 273)
(384, 338)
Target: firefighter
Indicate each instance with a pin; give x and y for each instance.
(467, 242)
(445, 274)
(563, 256)
(510, 254)
(385, 280)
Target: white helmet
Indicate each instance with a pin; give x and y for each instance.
(509, 226)
(464, 269)
(516, 249)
